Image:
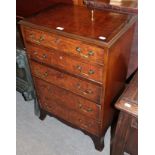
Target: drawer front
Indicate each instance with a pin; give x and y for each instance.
(83, 88)
(71, 116)
(65, 62)
(67, 45)
(84, 122)
(67, 99)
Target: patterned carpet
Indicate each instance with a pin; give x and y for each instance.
(50, 137)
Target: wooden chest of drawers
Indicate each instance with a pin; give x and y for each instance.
(79, 66)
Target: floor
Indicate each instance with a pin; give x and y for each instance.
(50, 137)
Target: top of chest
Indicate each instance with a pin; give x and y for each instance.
(76, 22)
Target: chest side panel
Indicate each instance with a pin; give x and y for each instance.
(116, 71)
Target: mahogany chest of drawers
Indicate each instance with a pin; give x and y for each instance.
(79, 66)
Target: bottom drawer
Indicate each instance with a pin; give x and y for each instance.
(68, 99)
(71, 116)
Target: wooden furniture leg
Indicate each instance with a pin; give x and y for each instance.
(42, 115)
(98, 142)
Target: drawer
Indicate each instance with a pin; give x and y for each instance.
(65, 62)
(78, 86)
(67, 45)
(71, 116)
(84, 122)
(50, 92)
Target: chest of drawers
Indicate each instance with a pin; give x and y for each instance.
(78, 75)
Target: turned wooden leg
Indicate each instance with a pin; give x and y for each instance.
(42, 115)
(98, 142)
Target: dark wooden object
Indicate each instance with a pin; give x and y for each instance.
(126, 134)
(26, 8)
(123, 6)
(77, 76)
(127, 7)
(23, 77)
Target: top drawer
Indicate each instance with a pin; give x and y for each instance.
(67, 45)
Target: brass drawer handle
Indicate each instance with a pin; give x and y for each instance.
(78, 49)
(90, 72)
(79, 68)
(85, 110)
(90, 53)
(41, 75)
(45, 74)
(44, 56)
(86, 92)
(42, 38)
(90, 110)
